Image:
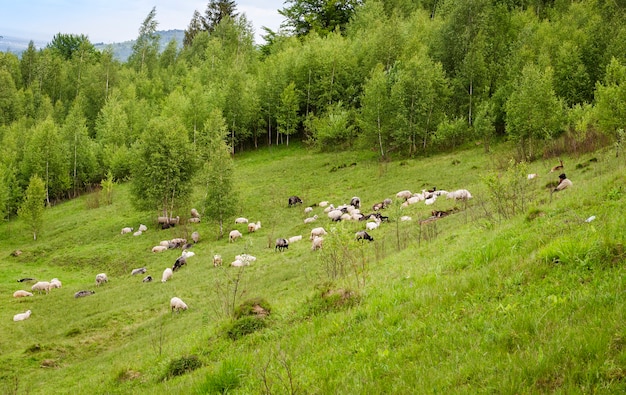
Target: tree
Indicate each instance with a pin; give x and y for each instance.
(67, 45)
(82, 150)
(32, 208)
(377, 110)
(146, 47)
(533, 112)
(320, 16)
(163, 168)
(216, 11)
(611, 101)
(220, 200)
(287, 116)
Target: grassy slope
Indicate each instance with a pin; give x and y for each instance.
(470, 306)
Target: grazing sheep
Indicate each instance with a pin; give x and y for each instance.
(21, 294)
(335, 215)
(329, 208)
(378, 206)
(195, 236)
(323, 204)
(363, 235)
(140, 270)
(317, 243)
(293, 200)
(404, 195)
(239, 263)
(143, 228)
(564, 183)
(101, 279)
(127, 230)
(293, 239)
(177, 304)
(460, 194)
(193, 220)
(252, 227)
(177, 242)
(531, 176)
(430, 200)
(317, 232)
(138, 233)
(55, 283)
(310, 219)
(41, 286)
(180, 262)
(164, 243)
(147, 279)
(187, 254)
(159, 248)
(372, 225)
(234, 235)
(167, 275)
(557, 167)
(21, 316)
(356, 202)
(166, 222)
(245, 258)
(25, 279)
(195, 213)
(387, 202)
(217, 260)
(281, 244)
(241, 220)
(81, 294)
(405, 218)
(308, 210)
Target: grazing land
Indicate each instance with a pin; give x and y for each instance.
(518, 290)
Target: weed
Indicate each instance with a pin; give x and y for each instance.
(257, 307)
(244, 326)
(182, 365)
(226, 379)
(327, 299)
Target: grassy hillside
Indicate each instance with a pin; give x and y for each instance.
(470, 303)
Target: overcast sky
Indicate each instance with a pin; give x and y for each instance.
(110, 21)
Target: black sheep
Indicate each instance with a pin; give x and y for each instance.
(281, 244)
(293, 200)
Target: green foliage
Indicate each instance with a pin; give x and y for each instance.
(610, 99)
(69, 45)
(32, 208)
(226, 379)
(319, 16)
(183, 365)
(331, 131)
(328, 299)
(509, 192)
(252, 307)
(146, 47)
(244, 326)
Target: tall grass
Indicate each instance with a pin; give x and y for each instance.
(476, 302)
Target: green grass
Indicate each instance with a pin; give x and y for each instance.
(470, 303)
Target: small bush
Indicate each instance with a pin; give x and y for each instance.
(226, 379)
(244, 326)
(182, 365)
(328, 300)
(257, 307)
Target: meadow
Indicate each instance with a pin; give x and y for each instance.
(497, 297)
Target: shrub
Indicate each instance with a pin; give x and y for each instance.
(226, 379)
(256, 307)
(244, 326)
(182, 365)
(328, 299)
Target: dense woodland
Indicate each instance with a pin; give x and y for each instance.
(401, 78)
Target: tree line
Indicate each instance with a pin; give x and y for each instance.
(402, 78)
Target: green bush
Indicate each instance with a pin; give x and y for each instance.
(182, 365)
(328, 300)
(253, 307)
(226, 379)
(244, 326)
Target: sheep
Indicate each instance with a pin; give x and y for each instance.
(241, 220)
(239, 263)
(143, 228)
(404, 195)
(460, 194)
(217, 260)
(193, 220)
(21, 294)
(317, 232)
(164, 243)
(405, 218)
(317, 243)
(372, 225)
(387, 202)
(177, 304)
(166, 222)
(281, 244)
(252, 227)
(293, 200)
(234, 235)
(308, 210)
(81, 294)
(195, 213)
(140, 270)
(531, 176)
(25, 279)
(335, 215)
(293, 239)
(127, 230)
(177, 242)
(138, 233)
(363, 235)
(195, 236)
(147, 279)
(430, 200)
(245, 258)
(564, 182)
(21, 316)
(167, 275)
(187, 254)
(41, 286)
(329, 208)
(159, 248)
(323, 204)
(180, 262)
(187, 246)
(356, 202)
(101, 278)
(557, 167)
(310, 219)
(55, 283)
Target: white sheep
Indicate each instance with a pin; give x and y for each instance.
(101, 278)
(310, 219)
(253, 227)
(239, 263)
(460, 194)
(323, 204)
(404, 194)
(143, 228)
(167, 275)
(195, 236)
(55, 283)
(329, 208)
(177, 304)
(140, 270)
(317, 232)
(531, 176)
(159, 248)
(138, 233)
(317, 243)
(405, 218)
(293, 239)
(234, 235)
(195, 213)
(241, 220)
(372, 225)
(194, 220)
(217, 260)
(41, 286)
(430, 200)
(21, 294)
(246, 258)
(126, 230)
(308, 210)
(21, 316)
(164, 243)
(335, 215)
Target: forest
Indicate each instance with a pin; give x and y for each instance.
(401, 78)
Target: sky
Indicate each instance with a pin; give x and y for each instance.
(110, 21)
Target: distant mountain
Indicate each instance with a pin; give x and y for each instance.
(121, 51)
